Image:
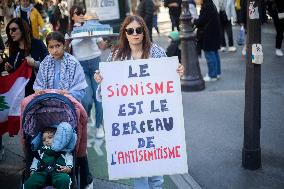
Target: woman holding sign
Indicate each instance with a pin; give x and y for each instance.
(134, 43)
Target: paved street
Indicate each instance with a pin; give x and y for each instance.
(214, 127)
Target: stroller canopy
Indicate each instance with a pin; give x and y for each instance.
(47, 110)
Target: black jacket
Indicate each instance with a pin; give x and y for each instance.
(208, 22)
(146, 10)
(174, 11)
(274, 7)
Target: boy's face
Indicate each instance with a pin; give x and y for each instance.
(47, 138)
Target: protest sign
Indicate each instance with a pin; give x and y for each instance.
(143, 118)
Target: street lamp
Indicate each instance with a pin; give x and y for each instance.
(192, 79)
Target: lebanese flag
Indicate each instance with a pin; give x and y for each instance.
(12, 90)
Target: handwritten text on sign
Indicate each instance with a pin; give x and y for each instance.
(143, 118)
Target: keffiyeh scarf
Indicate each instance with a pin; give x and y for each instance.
(72, 76)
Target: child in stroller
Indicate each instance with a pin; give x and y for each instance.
(55, 159)
(54, 109)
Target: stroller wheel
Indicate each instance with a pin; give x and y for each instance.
(22, 179)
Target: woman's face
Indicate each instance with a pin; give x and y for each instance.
(55, 49)
(15, 32)
(134, 33)
(78, 16)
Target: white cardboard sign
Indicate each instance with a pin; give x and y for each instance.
(104, 9)
(143, 118)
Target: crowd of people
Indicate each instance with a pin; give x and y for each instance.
(72, 66)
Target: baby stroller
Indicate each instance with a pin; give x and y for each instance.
(45, 110)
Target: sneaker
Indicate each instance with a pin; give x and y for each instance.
(209, 79)
(218, 76)
(244, 51)
(232, 49)
(278, 52)
(90, 186)
(223, 49)
(91, 121)
(100, 133)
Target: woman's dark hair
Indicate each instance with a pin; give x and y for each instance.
(73, 9)
(26, 36)
(122, 50)
(55, 36)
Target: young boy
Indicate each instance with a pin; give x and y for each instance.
(55, 165)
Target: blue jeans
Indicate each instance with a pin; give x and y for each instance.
(89, 67)
(213, 63)
(155, 182)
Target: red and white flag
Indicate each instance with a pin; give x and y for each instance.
(12, 92)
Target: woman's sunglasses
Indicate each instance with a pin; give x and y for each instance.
(13, 29)
(130, 31)
(78, 13)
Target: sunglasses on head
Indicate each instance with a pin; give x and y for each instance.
(13, 29)
(130, 31)
(78, 13)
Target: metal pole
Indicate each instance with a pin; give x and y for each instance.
(251, 153)
(192, 79)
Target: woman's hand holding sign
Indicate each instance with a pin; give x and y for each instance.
(98, 77)
(180, 70)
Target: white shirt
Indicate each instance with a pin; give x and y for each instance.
(86, 49)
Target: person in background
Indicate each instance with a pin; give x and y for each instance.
(39, 5)
(51, 16)
(10, 8)
(146, 11)
(87, 51)
(27, 12)
(174, 11)
(276, 11)
(238, 11)
(22, 46)
(134, 43)
(192, 9)
(208, 27)
(157, 5)
(61, 15)
(226, 12)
